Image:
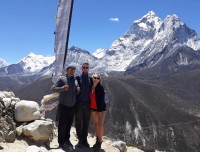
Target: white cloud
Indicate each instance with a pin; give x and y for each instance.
(114, 19)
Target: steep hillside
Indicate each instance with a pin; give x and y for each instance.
(154, 113)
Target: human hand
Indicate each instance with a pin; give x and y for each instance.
(66, 87)
(78, 89)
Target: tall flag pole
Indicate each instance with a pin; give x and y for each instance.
(63, 22)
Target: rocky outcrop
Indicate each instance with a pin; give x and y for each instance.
(39, 130)
(13, 111)
(7, 124)
(7, 129)
(27, 111)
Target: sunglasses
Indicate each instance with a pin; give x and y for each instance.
(96, 78)
(85, 67)
(71, 70)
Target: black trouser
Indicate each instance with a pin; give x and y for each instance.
(66, 116)
(82, 119)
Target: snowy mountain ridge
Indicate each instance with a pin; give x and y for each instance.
(147, 37)
(147, 42)
(34, 63)
(99, 53)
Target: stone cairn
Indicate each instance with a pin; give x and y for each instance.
(22, 118)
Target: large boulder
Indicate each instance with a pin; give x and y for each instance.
(39, 130)
(27, 111)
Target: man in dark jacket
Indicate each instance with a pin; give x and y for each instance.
(67, 87)
(82, 116)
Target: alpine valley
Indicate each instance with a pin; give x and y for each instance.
(152, 77)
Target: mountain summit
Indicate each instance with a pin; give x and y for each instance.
(148, 41)
(34, 63)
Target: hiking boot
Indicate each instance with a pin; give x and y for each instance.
(61, 146)
(69, 148)
(97, 146)
(95, 143)
(68, 143)
(79, 144)
(86, 144)
(65, 147)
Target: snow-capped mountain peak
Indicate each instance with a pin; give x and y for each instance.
(99, 53)
(148, 22)
(148, 41)
(150, 17)
(34, 63)
(173, 21)
(131, 44)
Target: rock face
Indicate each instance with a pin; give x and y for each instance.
(27, 111)
(39, 130)
(7, 129)
(7, 124)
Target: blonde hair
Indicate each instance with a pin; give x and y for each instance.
(97, 75)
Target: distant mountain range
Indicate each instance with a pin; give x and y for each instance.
(147, 42)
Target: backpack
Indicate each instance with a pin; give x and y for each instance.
(106, 99)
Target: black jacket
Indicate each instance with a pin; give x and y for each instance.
(85, 83)
(66, 98)
(100, 96)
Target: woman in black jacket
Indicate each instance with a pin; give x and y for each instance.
(98, 109)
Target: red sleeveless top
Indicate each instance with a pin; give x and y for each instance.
(93, 104)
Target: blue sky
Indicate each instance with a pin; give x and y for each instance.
(28, 25)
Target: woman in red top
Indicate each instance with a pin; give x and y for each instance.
(98, 109)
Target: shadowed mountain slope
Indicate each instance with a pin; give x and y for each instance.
(154, 113)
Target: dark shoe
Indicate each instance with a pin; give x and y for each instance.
(97, 146)
(68, 147)
(61, 146)
(86, 144)
(95, 143)
(68, 143)
(65, 147)
(96, 150)
(79, 144)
